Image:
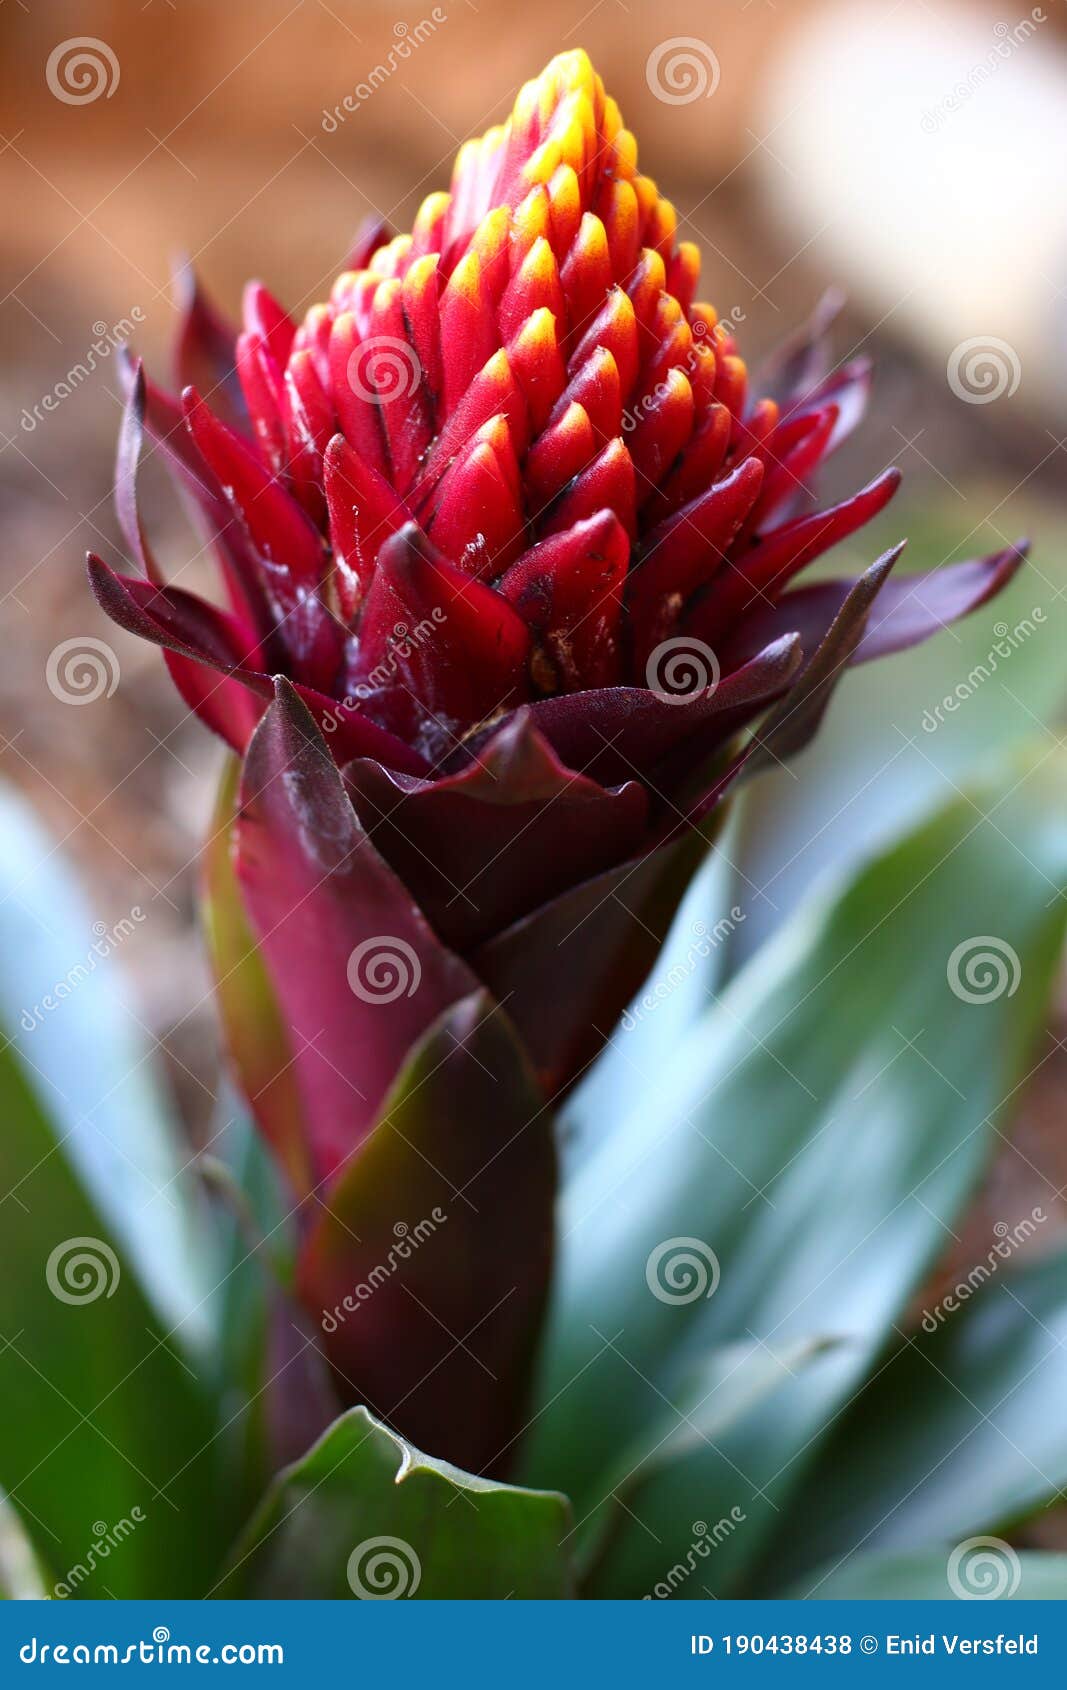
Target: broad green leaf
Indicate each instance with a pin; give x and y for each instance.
(364, 1514)
(685, 979)
(815, 1138)
(977, 1395)
(255, 1229)
(987, 1572)
(107, 1369)
(680, 1471)
(64, 1005)
(105, 1429)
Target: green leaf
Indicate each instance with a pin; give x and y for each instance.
(64, 1005)
(101, 1421)
(365, 1514)
(256, 1233)
(816, 1136)
(971, 1397)
(1026, 1576)
(679, 1483)
(688, 973)
(107, 1371)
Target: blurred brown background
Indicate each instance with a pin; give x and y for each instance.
(210, 142)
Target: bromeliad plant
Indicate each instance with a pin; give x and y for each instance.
(510, 547)
(510, 551)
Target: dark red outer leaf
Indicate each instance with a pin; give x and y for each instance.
(797, 366)
(456, 1186)
(127, 462)
(909, 610)
(171, 617)
(164, 420)
(279, 528)
(789, 727)
(204, 351)
(355, 966)
(567, 971)
(224, 705)
(515, 828)
(372, 233)
(763, 573)
(195, 630)
(622, 733)
(685, 551)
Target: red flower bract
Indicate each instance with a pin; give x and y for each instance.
(511, 544)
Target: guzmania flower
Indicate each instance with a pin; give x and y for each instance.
(510, 546)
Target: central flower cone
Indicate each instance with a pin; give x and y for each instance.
(509, 549)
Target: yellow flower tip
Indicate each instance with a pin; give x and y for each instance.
(538, 272)
(537, 336)
(466, 278)
(591, 244)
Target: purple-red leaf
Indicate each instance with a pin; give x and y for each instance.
(429, 1263)
(355, 966)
